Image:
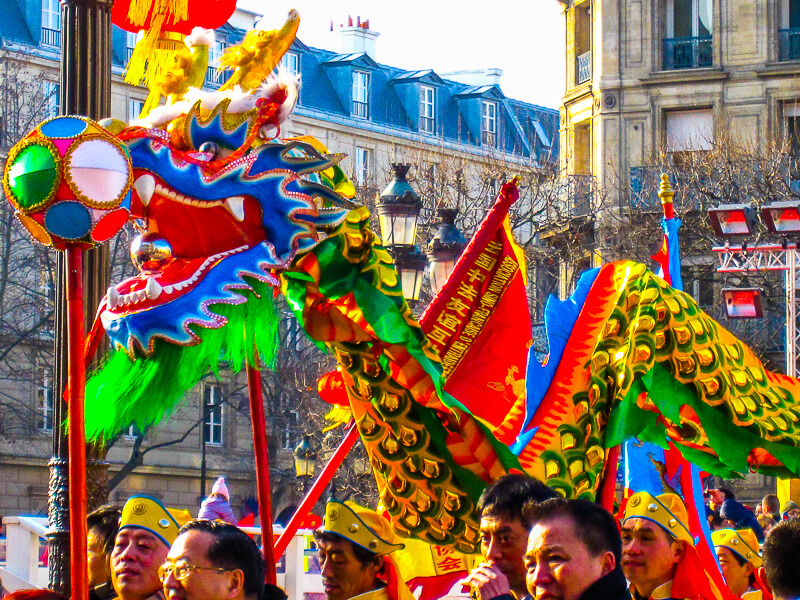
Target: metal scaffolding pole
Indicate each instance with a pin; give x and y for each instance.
(770, 257)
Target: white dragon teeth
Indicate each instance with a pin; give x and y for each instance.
(152, 289)
(235, 204)
(112, 298)
(145, 185)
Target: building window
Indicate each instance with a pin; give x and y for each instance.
(291, 63)
(583, 43)
(688, 132)
(361, 94)
(216, 76)
(130, 43)
(488, 123)
(791, 133)
(134, 109)
(44, 402)
(289, 433)
(51, 23)
(51, 95)
(427, 109)
(212, 410)
(362, 166)
(688, 40)
(789, 42)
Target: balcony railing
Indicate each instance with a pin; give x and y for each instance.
(51, 37)
(128, 54)
(584, 68)
(687, 53)
(789, 44)
(360, 109)
(216, 77)
(427, 124)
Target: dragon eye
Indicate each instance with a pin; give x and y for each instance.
(209, 148)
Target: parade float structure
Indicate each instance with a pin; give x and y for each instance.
(231, 214)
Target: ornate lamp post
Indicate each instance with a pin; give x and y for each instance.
(305, 458)
(445, 248)
(398, 211)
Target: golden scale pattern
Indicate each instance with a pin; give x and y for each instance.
(652, 322)
(417, 486)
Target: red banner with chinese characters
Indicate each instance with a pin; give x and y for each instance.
(479, 322)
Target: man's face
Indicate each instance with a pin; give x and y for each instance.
(343, 575)
(792, 514)
(135, 560)
(191, 548)
(736, 576)
(649, 555)
(559, 566)
(503, 544)
(97, 561)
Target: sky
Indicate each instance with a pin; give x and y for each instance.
(524, 38)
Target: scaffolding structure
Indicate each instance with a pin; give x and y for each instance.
(770, 257)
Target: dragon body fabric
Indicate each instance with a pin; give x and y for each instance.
(231, 214)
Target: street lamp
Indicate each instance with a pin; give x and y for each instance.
(398, 211)
(445, 248)
(305, 458)
(733, 220)
(410, 263)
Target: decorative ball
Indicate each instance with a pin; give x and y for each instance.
(69, 181)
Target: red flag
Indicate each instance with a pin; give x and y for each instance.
(480, 325)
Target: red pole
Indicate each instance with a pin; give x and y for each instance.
(609, 484)
(76, 374)
(316, 490)
(262, 465)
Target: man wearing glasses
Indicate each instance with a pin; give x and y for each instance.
(211, 560)
(146, 530)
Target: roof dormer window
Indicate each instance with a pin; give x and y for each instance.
(427, 109)
(488, 123)
(360, 94)
(291, 63)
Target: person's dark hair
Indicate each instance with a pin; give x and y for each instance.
(364, 556)
(593, 525)
(105, 522)
(273, 592)
(507, 496)
(233, 549)
(728, 493)
(781, 554)
(773, 504)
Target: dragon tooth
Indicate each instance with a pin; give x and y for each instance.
(126, 299)
(167, 289)
(145, 185)
(235, 204)
(112, 297)
(152, 289)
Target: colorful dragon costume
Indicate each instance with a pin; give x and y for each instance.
(231, 213)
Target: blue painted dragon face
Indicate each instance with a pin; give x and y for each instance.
(217, 205)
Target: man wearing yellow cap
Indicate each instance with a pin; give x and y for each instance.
(737, 552)
(658, 556)
(146, 531)
(354, 544)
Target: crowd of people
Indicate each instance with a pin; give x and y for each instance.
(534, 545)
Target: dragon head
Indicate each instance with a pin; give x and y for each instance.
(218, 199)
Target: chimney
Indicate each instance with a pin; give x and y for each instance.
(355, 39)
(489, 76)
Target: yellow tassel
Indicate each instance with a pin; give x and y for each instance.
(170, 11)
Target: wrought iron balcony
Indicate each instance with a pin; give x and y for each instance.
(687, 53)
(360, 109)
(584, 68)
(51, 37)
(580, 191)
(216, 77)
(789, 44)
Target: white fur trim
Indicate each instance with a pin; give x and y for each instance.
(200, 37)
